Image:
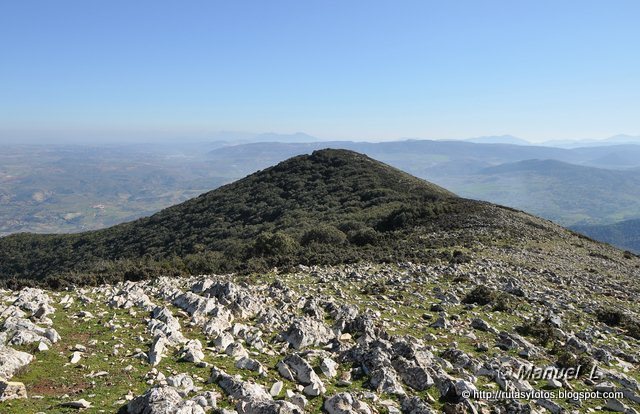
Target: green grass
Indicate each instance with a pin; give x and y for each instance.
(48, 376)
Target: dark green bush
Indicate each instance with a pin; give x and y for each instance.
(615, 317)
(566, 359)
(275, 244)
(458, 257)
(503, 302)
(541, 331)
(480, 295)
(323, 234)
(610, 316)
(364, 237)
(633, 328)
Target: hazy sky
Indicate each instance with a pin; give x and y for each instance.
(335, 69)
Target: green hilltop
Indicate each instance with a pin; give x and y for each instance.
(330, 207)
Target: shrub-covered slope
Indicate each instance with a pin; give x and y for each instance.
(333, 206)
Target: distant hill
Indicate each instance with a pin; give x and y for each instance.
(234, 137)
(333, 206)
(414, 156)
(620, 139)
(566, 193)
(418, 156)
(624, 234)
(502, 139)
(623, 156)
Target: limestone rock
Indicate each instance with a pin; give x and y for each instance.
(12, 361)
(305, 332)
(12, 390)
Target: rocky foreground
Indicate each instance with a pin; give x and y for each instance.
(352, 339)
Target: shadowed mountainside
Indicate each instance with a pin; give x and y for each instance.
(625, 234)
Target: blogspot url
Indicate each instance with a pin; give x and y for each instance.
(542, 394)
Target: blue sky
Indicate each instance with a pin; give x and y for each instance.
(335, 69)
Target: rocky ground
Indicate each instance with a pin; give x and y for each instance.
(351, 339)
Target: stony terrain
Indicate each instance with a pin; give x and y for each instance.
(351, 339)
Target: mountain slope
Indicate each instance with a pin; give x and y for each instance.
(333, 206)
(308, 197)
(488, 290)
(625, 234)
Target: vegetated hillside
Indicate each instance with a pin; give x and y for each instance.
(322, 208)
(333, 206)
(625, 234)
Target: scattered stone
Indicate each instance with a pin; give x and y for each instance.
(345, 403)
(236, 388)
(276, 388)
(192, 351)
(163, 400)
(157, 350)
(302, 372)
(75, 357)
(299, 400)
(250, 364)
(305, 332)
(12, 390)
(12, 361)
(440, 323)
(79, 404)
(368, 341)
(616, 406)
(481, 325)
(554, 383)
(329, 367)
(183, 383)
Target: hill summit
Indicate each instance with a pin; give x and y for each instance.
(330, 207)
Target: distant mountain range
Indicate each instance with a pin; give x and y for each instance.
(620, 139)
(232, 137)
(235, 137)
(563, 192)
(74, 188)
(428, 153)
(625, 234)
(502, 139)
